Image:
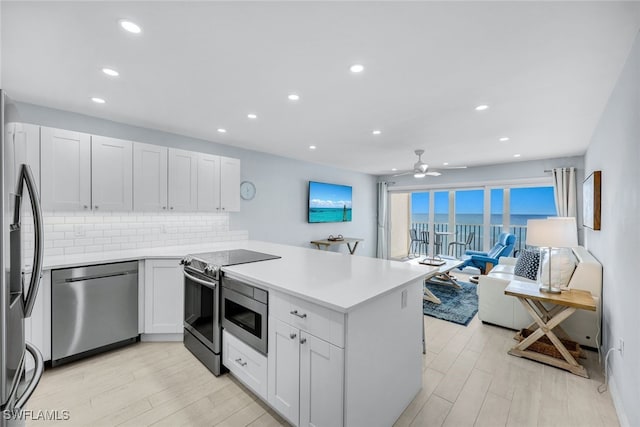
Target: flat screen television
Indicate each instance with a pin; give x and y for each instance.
(329, 202)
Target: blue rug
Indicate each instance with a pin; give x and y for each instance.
(458, 305)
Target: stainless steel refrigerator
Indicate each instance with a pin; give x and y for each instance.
(18, 286)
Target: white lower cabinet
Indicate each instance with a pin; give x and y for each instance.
(38, 326)
(306, 376)
(245, 363)
(164, 296)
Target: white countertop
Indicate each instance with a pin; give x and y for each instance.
(334, 280)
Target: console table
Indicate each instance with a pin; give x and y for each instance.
(345, 240)
(564, 305)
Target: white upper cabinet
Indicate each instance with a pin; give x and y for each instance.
(22, 147)
(208, 183)
(183, 180)
(66, 172)
(149, 177)
(229, 184)
(111, 174)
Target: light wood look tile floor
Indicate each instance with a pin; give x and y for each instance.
(468, 380)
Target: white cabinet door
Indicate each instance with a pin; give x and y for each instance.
(149, 177)
(321, 382)
(183, 180)
(22, 145)
(164, 296)
(66, 172)
(111, 174)
(208, 183)
(229, 184)
(283, 382)
(38, 326)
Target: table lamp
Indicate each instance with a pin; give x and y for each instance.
(559, 232)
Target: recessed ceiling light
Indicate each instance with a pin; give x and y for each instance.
(312, 147)
(446, 163)
(516, 155)
(110, 72)
(98, 100)
(394, 169)
(129, 26)
(356, 68)
(252, 116)
(376, 132)
(293, 97)
(504, 139)
(482, 107)
(221, 130)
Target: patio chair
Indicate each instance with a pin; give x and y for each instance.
(414, 244)
(424, 241)
(464, 244)
(484, 261)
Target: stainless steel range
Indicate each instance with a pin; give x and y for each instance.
(202, 320)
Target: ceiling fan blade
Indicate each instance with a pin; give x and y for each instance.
(402, 174)
(433, 173)
(454, 167)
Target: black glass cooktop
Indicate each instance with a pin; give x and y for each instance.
(232, 257)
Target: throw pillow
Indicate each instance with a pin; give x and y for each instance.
(527, 264)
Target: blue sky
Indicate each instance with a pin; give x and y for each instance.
(323, 195)
(524, 201)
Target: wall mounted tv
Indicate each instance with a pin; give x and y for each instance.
(329, 202)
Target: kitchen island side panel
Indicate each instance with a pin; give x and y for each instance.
(383, 357)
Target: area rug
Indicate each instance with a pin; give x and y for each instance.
(458, 305)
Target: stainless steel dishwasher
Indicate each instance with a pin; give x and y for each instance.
(94, 308)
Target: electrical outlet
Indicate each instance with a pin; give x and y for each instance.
(621, 347)
(79, 231)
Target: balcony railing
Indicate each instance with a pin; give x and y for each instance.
(463, 230)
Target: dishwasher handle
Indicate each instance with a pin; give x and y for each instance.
(97, 276)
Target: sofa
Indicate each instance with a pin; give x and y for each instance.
(503, 310)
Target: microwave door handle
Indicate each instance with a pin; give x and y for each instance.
(26, 177)
(37, 374)
(199, 281)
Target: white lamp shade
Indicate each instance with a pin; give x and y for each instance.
(552, 233)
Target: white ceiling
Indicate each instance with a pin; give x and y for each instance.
(546, 70)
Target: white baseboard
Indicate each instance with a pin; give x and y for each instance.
(617, 402)
(161, 337)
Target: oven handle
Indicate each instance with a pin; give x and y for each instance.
(199, 281)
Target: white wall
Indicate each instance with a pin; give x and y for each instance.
(614, 150)
(278, 213)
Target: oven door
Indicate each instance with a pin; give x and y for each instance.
(201, 312)
(245, 318)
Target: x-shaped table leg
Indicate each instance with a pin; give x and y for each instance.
(547, 320)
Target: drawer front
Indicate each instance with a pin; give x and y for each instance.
(245, 363)
(319, 321)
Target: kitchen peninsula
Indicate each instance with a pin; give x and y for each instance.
(344, 332)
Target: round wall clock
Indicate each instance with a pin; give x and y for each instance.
(247, 190)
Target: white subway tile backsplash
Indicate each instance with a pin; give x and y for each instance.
(81, 232)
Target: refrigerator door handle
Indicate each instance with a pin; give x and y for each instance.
(37, 374)
(26, 177)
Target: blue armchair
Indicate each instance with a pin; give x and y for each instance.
(478, 259)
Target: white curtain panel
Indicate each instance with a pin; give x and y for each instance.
(564, 190)
(381, 251)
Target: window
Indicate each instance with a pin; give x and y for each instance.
(469, 208)
(529, 203)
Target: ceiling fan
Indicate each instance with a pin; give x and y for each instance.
(420, 168)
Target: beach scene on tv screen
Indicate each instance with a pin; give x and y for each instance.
(329, 202)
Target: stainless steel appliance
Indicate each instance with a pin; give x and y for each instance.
(16, 298)
(245, 312)
(202, 322)
(93, 309)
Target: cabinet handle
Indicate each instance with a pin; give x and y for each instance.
(96, 206)
(302, 316)
(241, 363)
(171, 208)
(164, 207)
(292, 336)
(222, 208)
(86, 207)
(303, 340)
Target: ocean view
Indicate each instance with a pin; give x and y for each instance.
(329, 214)
(476, 218)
